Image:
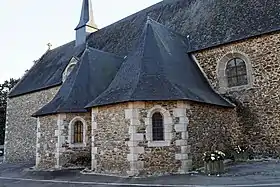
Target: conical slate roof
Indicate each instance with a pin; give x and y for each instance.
(91, 76)
(159, 69)
(86, 16)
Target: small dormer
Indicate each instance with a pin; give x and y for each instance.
(69, 68)
(87, 24)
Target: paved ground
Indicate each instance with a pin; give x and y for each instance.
(261, 174)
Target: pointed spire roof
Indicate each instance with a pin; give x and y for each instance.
(91, 76)
(159, 69)
(87, 18)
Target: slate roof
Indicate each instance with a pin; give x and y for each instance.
(47, 72)
(207, 23)
(91, 76)
(159, 69)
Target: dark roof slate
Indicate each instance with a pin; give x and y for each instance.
(90, 77)
(47, 72)
(159, 69)
(207, 23)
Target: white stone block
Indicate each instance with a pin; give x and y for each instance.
(186, 149)
(134, 122)
(181, 156)
(132, 129)
(131, 113)
(94, 150)
(185, 135)
(184, 120)
(56, 155)
(94, 125)
(181, 127)
(138, 165)
(38, 135)
(148, 121)
(181, 142)
(132, 144)
(136, 150)
(56, 132)
(132, 157)
(185, 166)
(158, 143)
(168, 120)
(93, 157)
(93, 164)
(168, 136)
(179, 112)
(168, 128)
(136, 137)
(38, 145)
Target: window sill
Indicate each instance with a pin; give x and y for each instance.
(159, 143)
(77, 145)
(235, 88)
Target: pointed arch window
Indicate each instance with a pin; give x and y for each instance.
(157, 127)
(236, 72)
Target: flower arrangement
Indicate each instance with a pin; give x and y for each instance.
(239, 149)
(211, 156)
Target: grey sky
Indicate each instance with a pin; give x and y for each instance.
(28, 25)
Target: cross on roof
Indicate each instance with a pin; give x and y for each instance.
(49, 46)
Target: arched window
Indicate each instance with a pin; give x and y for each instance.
(78, 132)
(236, 72)
(157, 127)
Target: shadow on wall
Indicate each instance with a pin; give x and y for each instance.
(253, 140)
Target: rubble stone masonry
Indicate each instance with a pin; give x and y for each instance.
(257, 105)
(20, 137)
(122, 139)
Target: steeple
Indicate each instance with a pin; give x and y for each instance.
(86, 24)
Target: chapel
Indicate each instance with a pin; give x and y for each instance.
(152, 92)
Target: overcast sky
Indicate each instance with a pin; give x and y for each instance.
(28, 25)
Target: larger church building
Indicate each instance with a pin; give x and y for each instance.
(152, 92)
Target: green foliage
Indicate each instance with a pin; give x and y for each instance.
(5, 88)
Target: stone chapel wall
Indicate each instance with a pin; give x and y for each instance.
(46, 142)
(110, 136)
(20, 137)
(211, 128)
(257, 106)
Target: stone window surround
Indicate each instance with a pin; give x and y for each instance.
(72, 62)
(221, 71)
(167, 123)
(71, 132)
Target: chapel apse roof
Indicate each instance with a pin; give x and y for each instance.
(91, 76)
(208, 23)
(158, 69)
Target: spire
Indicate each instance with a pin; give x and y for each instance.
(86, 24)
